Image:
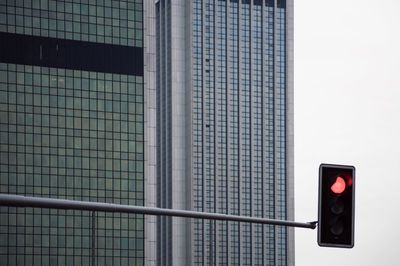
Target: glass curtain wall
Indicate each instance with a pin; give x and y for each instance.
(72, 126)
(239, 129)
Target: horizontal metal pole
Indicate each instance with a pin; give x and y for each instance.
(37, 202)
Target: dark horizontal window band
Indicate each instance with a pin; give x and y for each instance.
(70, 54)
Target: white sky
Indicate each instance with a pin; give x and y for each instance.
(347, 111)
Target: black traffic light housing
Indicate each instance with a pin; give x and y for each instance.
(336, 206)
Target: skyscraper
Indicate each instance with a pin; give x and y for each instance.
(225, 135)
(73, 113)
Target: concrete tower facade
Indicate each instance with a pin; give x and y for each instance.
(225, 129)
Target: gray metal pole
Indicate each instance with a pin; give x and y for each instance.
(37, 202)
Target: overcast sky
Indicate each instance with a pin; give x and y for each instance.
(347, 111)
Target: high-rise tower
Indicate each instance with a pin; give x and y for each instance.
(74, 124)
(225, 135)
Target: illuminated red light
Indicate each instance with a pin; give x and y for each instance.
(339, 186)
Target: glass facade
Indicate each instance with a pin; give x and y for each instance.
(73, 132)
(164, 129)
(101, 21)
(239, 129)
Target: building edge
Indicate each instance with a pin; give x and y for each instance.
(150, 120)
(179, 179)
(290, 129)
(189, 137)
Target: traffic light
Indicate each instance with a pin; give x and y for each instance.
(336, 206)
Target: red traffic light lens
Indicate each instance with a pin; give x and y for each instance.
(339, 186)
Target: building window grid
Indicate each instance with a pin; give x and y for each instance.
(209, 107)
(281, 118)
(257, 128)
(269, 126)
(245, 124)
(221, 127)
(209, 125)
(197, 131)
(268, 123)
(233, 129)
(108, 21)
(49, 126)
